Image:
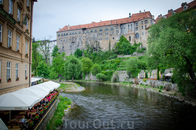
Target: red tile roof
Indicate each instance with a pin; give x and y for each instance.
(190, 5)
(134, 17)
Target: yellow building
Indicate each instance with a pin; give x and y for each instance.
(15, 44)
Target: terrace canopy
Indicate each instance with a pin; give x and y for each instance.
(27, 97)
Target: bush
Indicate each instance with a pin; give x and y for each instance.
(101, 77)
(144, 80)
(108, 74)
(131, 82)
(175, 94)
(160, 91)
(161, 87)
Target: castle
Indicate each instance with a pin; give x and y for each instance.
(106, 33)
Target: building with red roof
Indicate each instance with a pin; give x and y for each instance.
(70, 38)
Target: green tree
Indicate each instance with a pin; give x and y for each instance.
(55, 51)
(43, 69)
(53, 74)
(124, 47)
(36, 57)
(134, 66)
(78, 53)
(95, 69)
(86, 65)
(58, 63)
(172, 43)
(101, 77)
(72, 67)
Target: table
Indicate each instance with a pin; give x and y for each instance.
(32, 113)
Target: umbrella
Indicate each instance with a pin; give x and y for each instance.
(169, 74)
(42, 88)
(16, 101)
(2, 125)
(53, 84)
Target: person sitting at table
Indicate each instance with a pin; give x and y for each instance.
(23, 120)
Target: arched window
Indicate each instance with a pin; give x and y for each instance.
(95, 30)
(75, 32)
(72, 33)
(111, 28)
(91, 31)
(100, 29)
(131, 26)
(87, 31)
(137, 35)
(106, 29)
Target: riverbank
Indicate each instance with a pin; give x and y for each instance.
(161, 91)
(57, 120)
(70, 87)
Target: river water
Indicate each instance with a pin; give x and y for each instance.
(117, 107)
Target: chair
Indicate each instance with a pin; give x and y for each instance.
(34, 110)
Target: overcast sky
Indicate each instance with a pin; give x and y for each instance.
(50, 15)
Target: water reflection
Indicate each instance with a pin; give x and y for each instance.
(146, 110)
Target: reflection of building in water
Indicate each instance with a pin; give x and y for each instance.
(107, 33)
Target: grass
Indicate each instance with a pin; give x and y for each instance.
(65, 86)
(59, 113)
(77, 84)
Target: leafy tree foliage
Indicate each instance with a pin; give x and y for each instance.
(53, 74)
(72, 67)
(86, 65)
(172, 43)
(55, 51)
(43, 69)
(36, 57)
(134, 66)
(124, 47)
(101, 76)
(78, 53)
(95, 69)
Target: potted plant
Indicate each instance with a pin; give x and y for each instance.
(1, 43)
(11, 15)
(9, 80)
(31, 123)
(26, 77)
(17, 79)
(10, 47)
(18, 22)
(26, 55)
(41, 111)
(18, 51)
(36, 117)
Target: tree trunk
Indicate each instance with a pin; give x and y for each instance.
(72, 78)
(157, 72)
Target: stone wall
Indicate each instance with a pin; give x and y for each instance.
(90, 77)
(122, 75)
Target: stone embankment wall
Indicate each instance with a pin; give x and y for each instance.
(90, 77)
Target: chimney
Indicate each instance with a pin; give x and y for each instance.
(169, 11)
(109, 23)
(144, 11)
(160, 15)
(140, 11)
(129, 15)
(115, 21)
(68, 26)
(183, 4)
(59, 28)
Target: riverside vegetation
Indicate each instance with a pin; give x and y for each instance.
(171, 44)
(56, 120)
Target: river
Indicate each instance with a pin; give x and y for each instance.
(118, 107)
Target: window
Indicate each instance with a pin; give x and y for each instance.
(146, 21)
(66, 34)
(106, 29)
(18, 15)
(100, 34)
(106, 38)
(17, 43)
(9, 38)
(117, 31)
(142, 27)
(100, 29)
(128, 27)
(27, 2)
(106, 33)
(10, 7)
(26, 48)
(137, 35)
(1, 32)
(131, 26)
(27, 26)
(72, 33)
(16, 70)
(129, 38)
(75, 32)
(0, 69)
(91, 31)
(142, 22)
(117, 27)
(111, 28)
(145, 26)
(79, 32)
(1, 1)
(25, 71)
(8, 70)
(59, 35)
(136, 24)
(136, 28)
(87, 31)
(95, 30)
